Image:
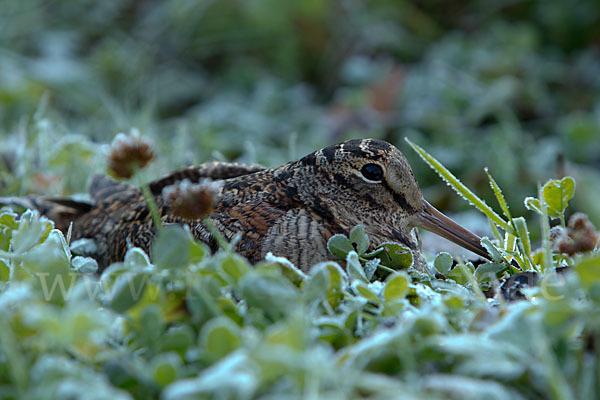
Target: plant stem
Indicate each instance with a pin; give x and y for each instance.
(151, 202)
(212, 228)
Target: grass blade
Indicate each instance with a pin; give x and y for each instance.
(499, 195)
(460, 188)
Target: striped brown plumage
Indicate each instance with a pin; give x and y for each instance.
(290, 210)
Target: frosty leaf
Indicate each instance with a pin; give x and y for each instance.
(499, 195)
(533, 204)
(443, 263)
(32, 230)
(171, 249)
(557, 194)
(339, 245)
(489, 271)
(84, 265)
(354, 268)
(523, 233)
(396, 286)
(359, 239)
(394, 255)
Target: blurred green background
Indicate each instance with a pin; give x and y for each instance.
(511, 85)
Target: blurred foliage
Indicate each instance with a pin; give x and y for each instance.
(195, 325)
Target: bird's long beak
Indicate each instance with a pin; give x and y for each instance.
(434, 221)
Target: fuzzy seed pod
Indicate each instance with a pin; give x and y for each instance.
(580, 236)
(192, 200)
(129, 153)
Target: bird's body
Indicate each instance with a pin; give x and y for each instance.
(290, 210)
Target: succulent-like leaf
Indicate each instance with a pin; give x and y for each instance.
(339, 245)
(219, 337)
(396, 286)
(171, 248)
(489, 271)
(359, 239)
(364, 290)
(443, 263)
(492, 250)
(395, 255)
(354, 268)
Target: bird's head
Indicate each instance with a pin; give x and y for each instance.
(370, 182)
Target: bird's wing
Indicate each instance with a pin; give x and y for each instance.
(212, 171)
(105, 189)
(60, 210)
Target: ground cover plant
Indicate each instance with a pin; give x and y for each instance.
(189, 324)
(513, 88)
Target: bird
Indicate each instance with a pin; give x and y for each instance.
(290, 210)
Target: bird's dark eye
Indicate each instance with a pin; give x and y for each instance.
(372, 172)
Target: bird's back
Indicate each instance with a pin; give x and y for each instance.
(251, 200)
(119, 216)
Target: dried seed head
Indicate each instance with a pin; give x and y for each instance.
(129, 153)
(192, 200)
(581, 236)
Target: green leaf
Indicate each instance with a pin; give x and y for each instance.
(197, 251)
(459, 187)
(4, 271)
(274, 295)
(339, 245)
(177, 338)
(165, 368)
(359, 239)
(234, 267)
(499, 195)
(443, 263)
(135, 258)
(289, 270)
(32, 230)
(315, 285)
(557, 194)
(522, 233)
(371, 267)
(219, 337)
(364, 291)
(492, 250)
(84, 265)
(326, 280)
(171, 248)
(9, 220)
(533, 204)
(460, 274)
(588, 269)
(395, 255)
(396, 286)
(127, 291)
(489, 271)
(50, 263)
(355, 268)
(202, 299)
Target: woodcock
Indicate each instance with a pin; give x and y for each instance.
(290, 210)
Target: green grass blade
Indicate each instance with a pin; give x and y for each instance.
(495, 231)
(510, 242)
(499, 195)
(459, 187)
